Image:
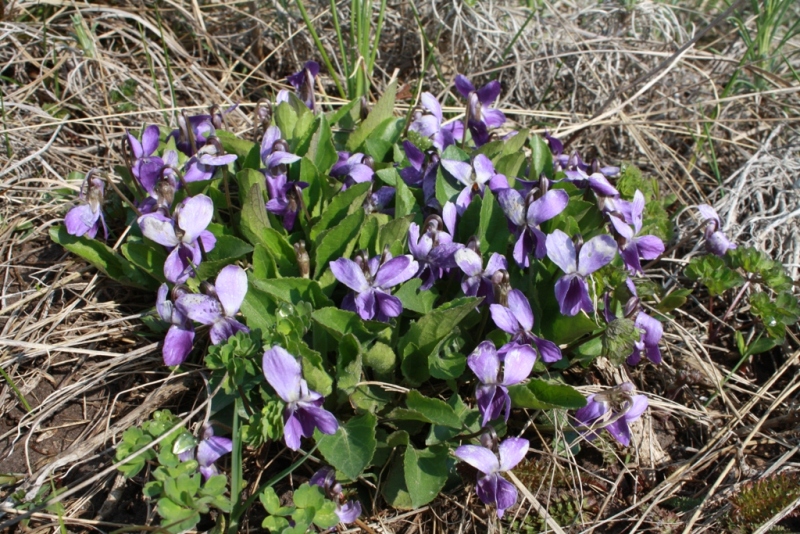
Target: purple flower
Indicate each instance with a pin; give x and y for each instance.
(193, 132)
(378, 201)
(275, 152)
(351, 170)
(325, 478)
(203, 164)
(87, 217)
(414, 173)
(572, 290)
(371, 280)
(146, 167)
(183, 233)
(632, 246)
(612, 410)
(491, 487)
(491, 393)
(651, 328)
(284, 196)
(303, 83)
(434, 250)
(481, 117)
(210, 449)
(517, 320)
(430, 124)
(526, 215)
(474, 182)
(303, 412)
(477, 281)
(166, 183)
(180, 336)
(716, 241)
(219, 307)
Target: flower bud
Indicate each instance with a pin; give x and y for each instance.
(474, 244)
(303, 261)
(631, 307)
(165, 191)
(488, 439)
(217, 120)
(369, 161)
(501, 285)
(363, 110)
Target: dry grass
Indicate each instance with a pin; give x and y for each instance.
(609, 74)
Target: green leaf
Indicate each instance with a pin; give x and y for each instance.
(321, 150)
(546, 394)
(326, 517)
(308, 496)
(711, 271)
(348, 364)
(293, 290)
(351, 448)
(149, 257)
(425, 473)
(183, 518)
(404, 201)
(342, 205)
(541, 158)
(337, 242)
(618, 340)
(381, 358)
(232, 144)
(395, 490)
(282, 251)
(394, 234)
(253, 218)
(414, 299)
(264, 265)
(104, 258)
(275, 524)
(227, 249)
(383, 109)
(424, 334)
(285, 119)
(493, 228)
(338, 323)
(433, 410)
(675, 299)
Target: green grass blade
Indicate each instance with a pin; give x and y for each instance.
(320, 48)
(13, 386)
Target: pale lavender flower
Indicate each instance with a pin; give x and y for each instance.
(477, 281)
(572, 290)
(325, 478)
(284, 195)
(351, 169)
(474, 182)
(275, 153)
(716, 241)
(491, 487)
(87, 217)
(632, 246)
(429, 124)
(491, 394)
(218, 308)
(526, 214)
(183, 233)
(210, 449)
(434, 250)
(204, 163)
(517, 320)
(481, 116)
(371, 280)
(303, 412)
(613, 410)
(180, 336)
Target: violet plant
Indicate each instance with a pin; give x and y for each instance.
(338, 265)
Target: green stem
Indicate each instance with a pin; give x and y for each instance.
(318, 43)
(236, 470)
(16, 390)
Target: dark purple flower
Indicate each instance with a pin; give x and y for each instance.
(219, 307)
(430, 124)
(474, 182)
(325, 478)
(491, 487)
(434, 250)
(378, 201)
(87, 217)
(517, 320)
(351, 170)
(193, 132)
(146, 167)
(371, 281)
(477, 281)
(414, 173)
(632, 246)
(612, 410)
(526, 214)
(183, 233)
(572, 290)
(303, 412)
(481, 117)
(716, 241)
(180, 336)
(303, 83)
(491, 393)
